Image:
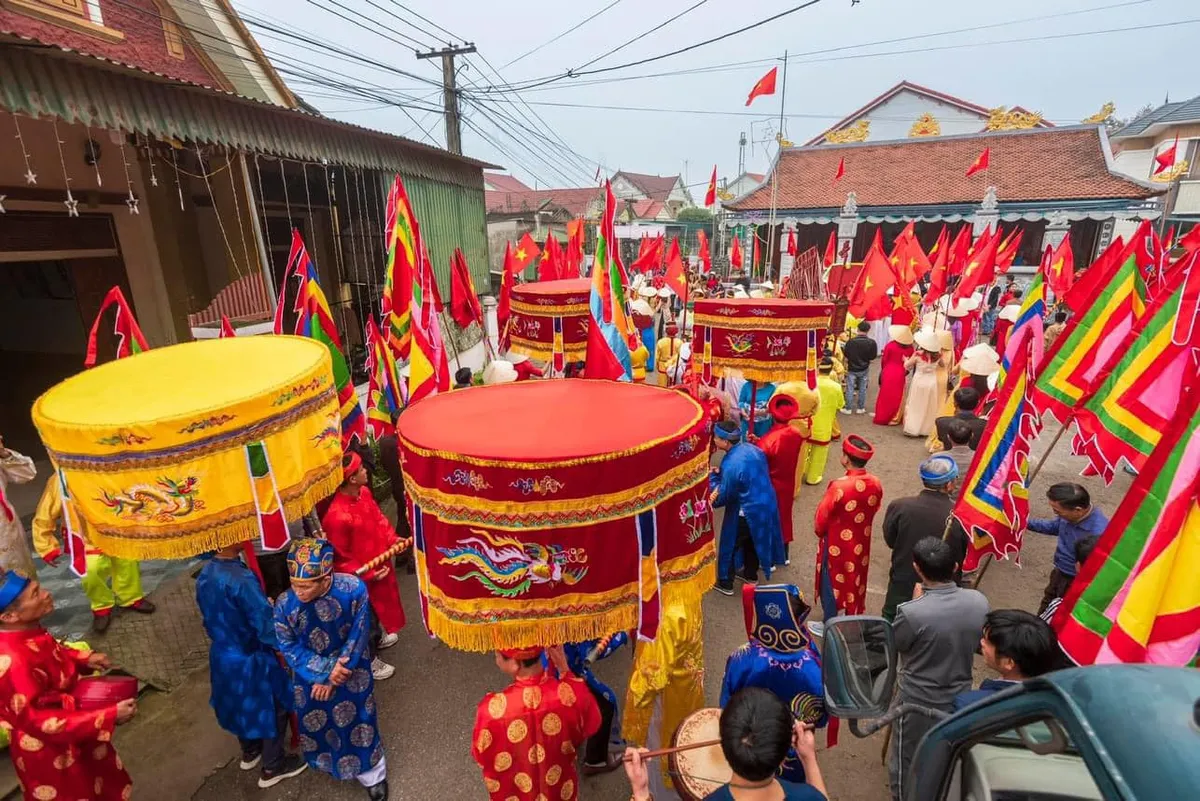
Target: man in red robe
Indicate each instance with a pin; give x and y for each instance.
(782, 445)
(359, 531)
(526, 735)
(525, 368)
(843, 524)
(60, 752)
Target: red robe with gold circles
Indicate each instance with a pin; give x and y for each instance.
(59, 752)
(526, 736)
(843, 523)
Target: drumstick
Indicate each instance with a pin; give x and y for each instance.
(397, 549)
(673, 750)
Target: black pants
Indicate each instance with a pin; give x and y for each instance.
(271, 748)
(745, 543)
(595, 750)
(275, 573)
(1057, 587)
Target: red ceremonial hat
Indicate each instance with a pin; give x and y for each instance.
(531, 652)
(353, 463)
(858, 448)
(783, 408)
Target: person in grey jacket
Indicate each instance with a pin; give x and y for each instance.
(936, 635)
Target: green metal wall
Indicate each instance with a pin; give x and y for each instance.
(451, 216)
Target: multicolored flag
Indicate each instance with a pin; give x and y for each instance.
(1030, 324)
(402, 240)
(127, 332)
(272, 525)
(1134, 397)
(385, 398)
(610, 331)
(1137, 599)
(315, 320)
(428, 367)
(1085, 290)
(1089, 340)
(464, 301)
(994, 504)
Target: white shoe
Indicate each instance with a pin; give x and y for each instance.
(381, 670)
(861, 411)
(388, 640)
(845, 411)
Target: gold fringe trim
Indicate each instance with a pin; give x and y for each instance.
(754, 370)
(760, 323)
(185, 546)
(536, 310)
(573, 352)
(548, 631)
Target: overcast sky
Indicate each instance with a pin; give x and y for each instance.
(840, 59)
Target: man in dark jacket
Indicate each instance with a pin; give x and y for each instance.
(966, 400)
(909, 520)
(860, 351)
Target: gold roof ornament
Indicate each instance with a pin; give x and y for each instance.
(926, 125)
(725, 194)
(1003, 119)
(782, 142)
(1167, 176)
(1102, 115)
(857, 132)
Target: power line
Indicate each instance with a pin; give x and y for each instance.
(572, 29)
(428, 21)
(644, 34)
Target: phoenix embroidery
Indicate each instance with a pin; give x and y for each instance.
(508, 568)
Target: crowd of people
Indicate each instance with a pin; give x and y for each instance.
(296, 633)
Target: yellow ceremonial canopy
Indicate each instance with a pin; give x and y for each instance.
(180, 450)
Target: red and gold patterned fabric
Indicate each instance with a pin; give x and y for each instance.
(359, 531)
(59, 751)
(526, 736)
(843, 524)
(766, 339)
(550, 318)
(525, 537)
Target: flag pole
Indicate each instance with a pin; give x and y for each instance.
(778, 153)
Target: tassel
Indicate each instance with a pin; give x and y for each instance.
(272, 525)
(649, 580)
(76, 548)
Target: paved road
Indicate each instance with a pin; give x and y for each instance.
(428, 707)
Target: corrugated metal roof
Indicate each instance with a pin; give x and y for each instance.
(99, 93)
(1187, 111)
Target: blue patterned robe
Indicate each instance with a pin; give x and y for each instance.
(338, 736)
(788, 675)
(248, 681)
(744, 488)
(577, 660)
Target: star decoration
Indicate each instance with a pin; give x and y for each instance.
(153, 179)
(132, 203)
(72, 205)
(520, 254)
(2, 211)
(30, 176)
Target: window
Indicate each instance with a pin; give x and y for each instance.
(174, 39)
(1033, 762)
(83, 16)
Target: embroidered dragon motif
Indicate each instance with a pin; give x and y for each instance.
(509, 568)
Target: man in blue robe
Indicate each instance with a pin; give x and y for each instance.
(580, 657)
(250, 692)
(751, 536)
(324, 627)
(779, 657)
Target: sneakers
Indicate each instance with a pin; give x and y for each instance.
(142, 606)
(292, 765)
(595, 769)
(787, 554)
(250, 761)
(381, 670)
(845, 411)
(724, 587)
(863, 411)
(378, 792)
(388, 640)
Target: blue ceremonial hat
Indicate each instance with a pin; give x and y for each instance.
(770, 619)
(725, 430)
(11, 585)
(310, 558)
(939, 470)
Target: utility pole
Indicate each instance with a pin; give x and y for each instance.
(450, 92)
(742, 154)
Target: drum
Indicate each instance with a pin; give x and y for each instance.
(701, 771)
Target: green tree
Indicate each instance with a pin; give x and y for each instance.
(694, 214)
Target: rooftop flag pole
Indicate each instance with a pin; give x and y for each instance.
(778, 162)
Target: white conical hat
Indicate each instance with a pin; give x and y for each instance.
(980, 362)
(499, 371)
(901, 333)
(1010, 312)
(648, 292)
(928, 340)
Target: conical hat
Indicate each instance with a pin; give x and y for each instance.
(928, 340)
(901, 333)
(1010, 312)
(980, 362)
(499, 371)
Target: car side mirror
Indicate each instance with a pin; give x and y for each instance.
(859, 666)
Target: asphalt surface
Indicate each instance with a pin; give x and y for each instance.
(427, 709)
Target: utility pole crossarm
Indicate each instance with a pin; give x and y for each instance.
(450, 92)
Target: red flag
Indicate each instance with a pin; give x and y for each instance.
(550, 268)
(574, 257)
(650, 254)
(841, 169)
(710, 197)
(735, 254)
(874, 281)
(527, 250)
(765, 86)
(1006, 251)
(702, 246)
(227, 329)
(981, 265)
(757, 256)
(130, 339)
(957, 257)
(982, 163)
(831, 249)
(1061, 273)
(1164, 160)
(504, 305)
(939, 273)
(908, 259)
(464, 302)
(676, 276)
(1191, 240)
(791, 243)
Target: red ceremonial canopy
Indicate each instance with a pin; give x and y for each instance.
(550, 318)
(766, 339)
(556, 511)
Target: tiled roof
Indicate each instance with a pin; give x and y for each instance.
(1187, 111)
(1041, 164)
(574, 202)
(655, 187)
(647, 209)
(756, 177)
(500, 182)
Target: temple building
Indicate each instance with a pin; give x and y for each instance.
(861, 176)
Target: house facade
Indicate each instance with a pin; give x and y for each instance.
(651, 197)
(1137, 145)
